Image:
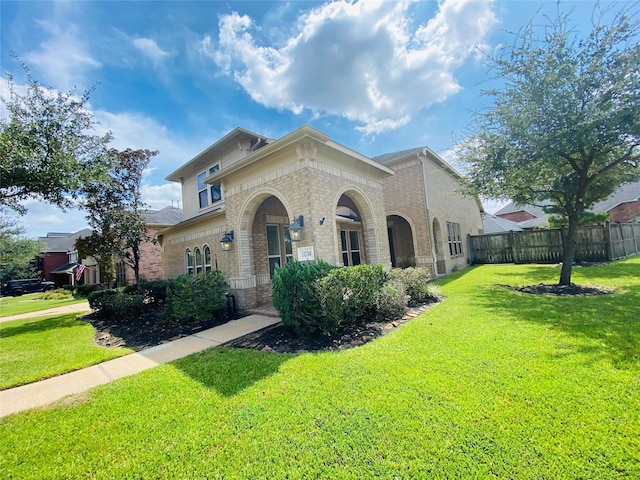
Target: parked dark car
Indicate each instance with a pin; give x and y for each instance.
(28, 285)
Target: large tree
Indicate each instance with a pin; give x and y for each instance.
(47, 148)
(114, 209)
(565, 125)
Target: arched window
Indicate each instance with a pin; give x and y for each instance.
(198, 256)
(189, 262)
(207, 258)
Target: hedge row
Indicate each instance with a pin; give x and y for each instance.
(185, 298)
(320, 298)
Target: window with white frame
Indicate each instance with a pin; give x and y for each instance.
(189, 262)
(350, 245)
(455, 239)
(207, 258)
(279, 248)
(208, 194)
(198, 260)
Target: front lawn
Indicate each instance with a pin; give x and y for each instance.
(32, 302)
(42, 347)
(491, 383)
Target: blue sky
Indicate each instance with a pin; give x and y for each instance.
(177, 76)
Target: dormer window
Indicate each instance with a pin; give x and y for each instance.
(208, 194)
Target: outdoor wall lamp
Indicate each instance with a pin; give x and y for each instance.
(295, 229)
(226, 241)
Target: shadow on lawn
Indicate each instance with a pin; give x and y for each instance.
(610, 321)
(37, 326)
(228, 371)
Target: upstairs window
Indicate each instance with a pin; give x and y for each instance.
(208, 194)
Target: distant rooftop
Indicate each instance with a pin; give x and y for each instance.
(167, 216)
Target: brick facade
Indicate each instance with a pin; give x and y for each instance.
(625, 212)
(306, 174)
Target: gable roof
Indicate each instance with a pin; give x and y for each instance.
(511, 207)
(225, 141)
(629, 192)
(416, 152)
(493, 224)
(167, 216)
(63, 242)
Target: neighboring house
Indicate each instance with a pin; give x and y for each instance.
(150, 251)
(495, 224)
(60, 261)
(623, 205)
(247, 197)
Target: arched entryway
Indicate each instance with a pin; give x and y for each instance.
(401, 245)
(439, 247)
(351, 238)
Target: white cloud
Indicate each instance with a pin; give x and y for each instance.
(160, 196)
(63, 57)
(150, 49)
(361, 60)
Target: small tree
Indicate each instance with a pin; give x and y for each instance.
(565, 127)
(114, 208)
(46, 148)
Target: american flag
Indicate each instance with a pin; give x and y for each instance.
(79, 270)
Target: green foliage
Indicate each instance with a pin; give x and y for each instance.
(84, 290)
(564, 127)
(115, 303)
(57, 294)
(17, 253)
(156, 291)
(415, 282)
(348, 295)
(296, 297)
(47, 150)
(114, 210)
(556, 219)
(390, 302)
(198, 297)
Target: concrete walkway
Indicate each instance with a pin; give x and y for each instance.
(47, 391)
(82, 307)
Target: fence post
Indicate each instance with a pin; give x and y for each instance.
(624, 247)
(472, 255)
(512, 244)
(607, 241)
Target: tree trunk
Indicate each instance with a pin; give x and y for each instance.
(569, 244)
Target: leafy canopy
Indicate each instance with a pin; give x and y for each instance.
(565, 125)
(47, 150)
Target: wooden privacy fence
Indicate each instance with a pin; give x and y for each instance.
(595, 244)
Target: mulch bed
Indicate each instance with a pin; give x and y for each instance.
(150, 329)
(555, 289)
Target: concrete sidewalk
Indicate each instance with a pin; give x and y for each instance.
(47, 391)
(82, 307)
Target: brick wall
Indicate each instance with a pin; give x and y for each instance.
(625, 212)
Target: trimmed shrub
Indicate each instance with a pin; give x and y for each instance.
(84, 290)
(349, 294)
(415, 281)
(199, 297)
(391, 302)
(57, 294)
(115, 303)
(156, 291)
(295, 296)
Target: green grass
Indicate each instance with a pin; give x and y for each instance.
(43, 347)
(491, 383)
(31, 303)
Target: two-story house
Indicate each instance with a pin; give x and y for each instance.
(251, 203)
